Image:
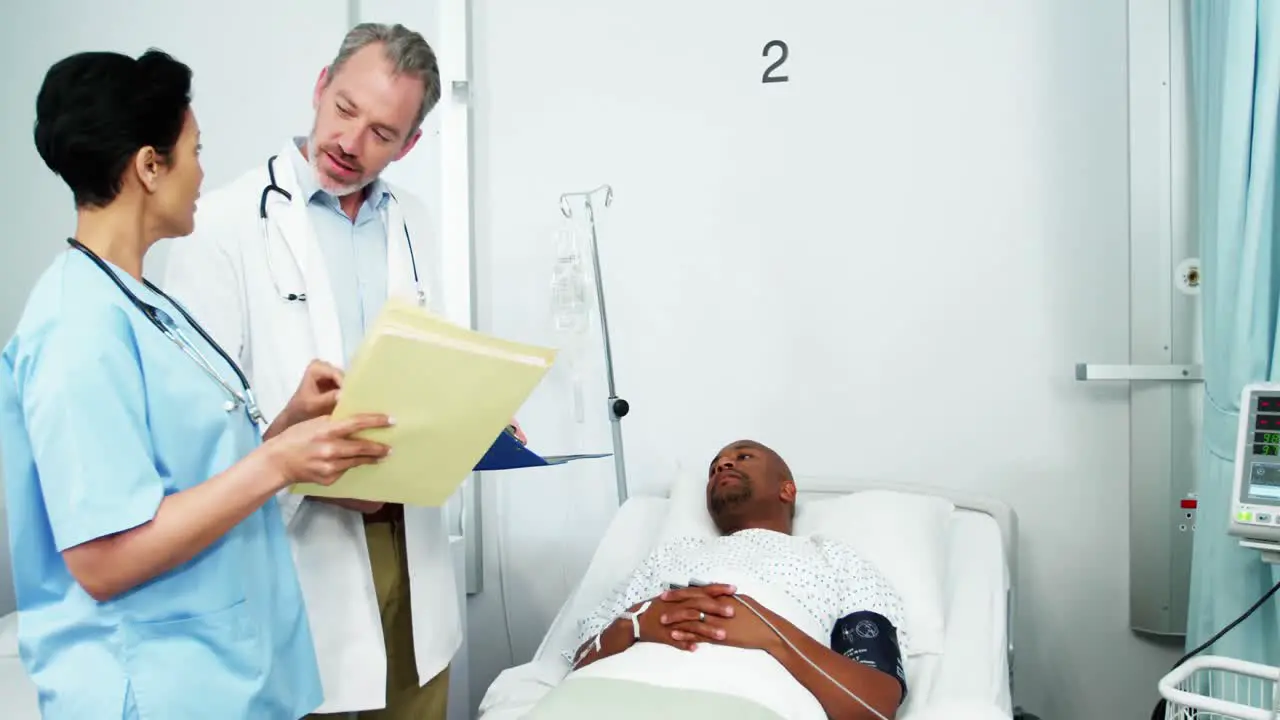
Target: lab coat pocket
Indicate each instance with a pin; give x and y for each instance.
(204, 666)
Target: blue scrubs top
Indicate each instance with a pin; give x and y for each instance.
(101, 417)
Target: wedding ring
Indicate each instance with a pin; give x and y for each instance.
(702, 617)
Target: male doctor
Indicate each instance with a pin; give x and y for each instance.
(337, 242)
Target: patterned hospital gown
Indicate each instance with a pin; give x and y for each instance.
(825, 577)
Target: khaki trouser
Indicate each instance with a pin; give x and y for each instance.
(406, 700)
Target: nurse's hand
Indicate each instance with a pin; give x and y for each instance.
(320, 450)
(316, 396)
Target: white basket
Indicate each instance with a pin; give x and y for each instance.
(1220, 688)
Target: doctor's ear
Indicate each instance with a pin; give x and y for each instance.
(321, 83)
(147, 166)
(408, 144)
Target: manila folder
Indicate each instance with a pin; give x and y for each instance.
(449, 390)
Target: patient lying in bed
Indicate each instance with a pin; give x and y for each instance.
(660, 649)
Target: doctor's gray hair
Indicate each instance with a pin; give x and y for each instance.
(408, 52)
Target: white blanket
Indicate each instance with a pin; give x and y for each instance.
(594, 698)
(747, 674)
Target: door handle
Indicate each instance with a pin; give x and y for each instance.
(1145, 373)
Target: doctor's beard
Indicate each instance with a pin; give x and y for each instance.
(327, 182)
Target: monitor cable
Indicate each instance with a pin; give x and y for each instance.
(813, 664)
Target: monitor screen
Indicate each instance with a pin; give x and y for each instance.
(1262, 484)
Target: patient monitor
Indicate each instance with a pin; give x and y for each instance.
(1255, 493)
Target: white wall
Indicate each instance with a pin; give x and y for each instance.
(885, 268)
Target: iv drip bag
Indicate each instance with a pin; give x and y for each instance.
(570, 305)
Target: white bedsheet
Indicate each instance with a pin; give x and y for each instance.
(969, 679)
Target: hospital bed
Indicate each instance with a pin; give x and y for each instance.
(961, 548)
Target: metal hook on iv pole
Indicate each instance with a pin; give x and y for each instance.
(567, 210)
(618, 408)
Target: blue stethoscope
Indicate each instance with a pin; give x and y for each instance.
(264, 224)
(242, 397)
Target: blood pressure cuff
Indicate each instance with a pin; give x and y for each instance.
(869, 638)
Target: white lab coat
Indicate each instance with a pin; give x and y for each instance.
(221, 274)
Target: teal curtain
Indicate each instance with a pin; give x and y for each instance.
(1235, 65)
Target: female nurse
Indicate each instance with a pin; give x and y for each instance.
(153, 576)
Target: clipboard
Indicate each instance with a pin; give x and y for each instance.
(508, 453)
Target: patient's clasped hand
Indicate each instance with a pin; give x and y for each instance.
(826, 623)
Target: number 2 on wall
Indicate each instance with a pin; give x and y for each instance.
(768, 76)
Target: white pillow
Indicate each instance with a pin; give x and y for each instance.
(687, 514)
(903, 534)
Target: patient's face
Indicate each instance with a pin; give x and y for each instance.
(735, 476)
(749, 485)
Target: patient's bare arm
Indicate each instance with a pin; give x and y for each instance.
(617, 636)
(657, 621)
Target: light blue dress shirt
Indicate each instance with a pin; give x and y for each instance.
(101, 418)
(355, 252)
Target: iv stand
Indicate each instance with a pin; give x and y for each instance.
(618, 408)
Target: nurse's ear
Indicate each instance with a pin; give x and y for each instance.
(146, 164)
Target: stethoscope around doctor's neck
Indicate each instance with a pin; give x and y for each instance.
(265, 222)
(242, 397)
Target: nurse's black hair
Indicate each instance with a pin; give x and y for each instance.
(96, 110)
